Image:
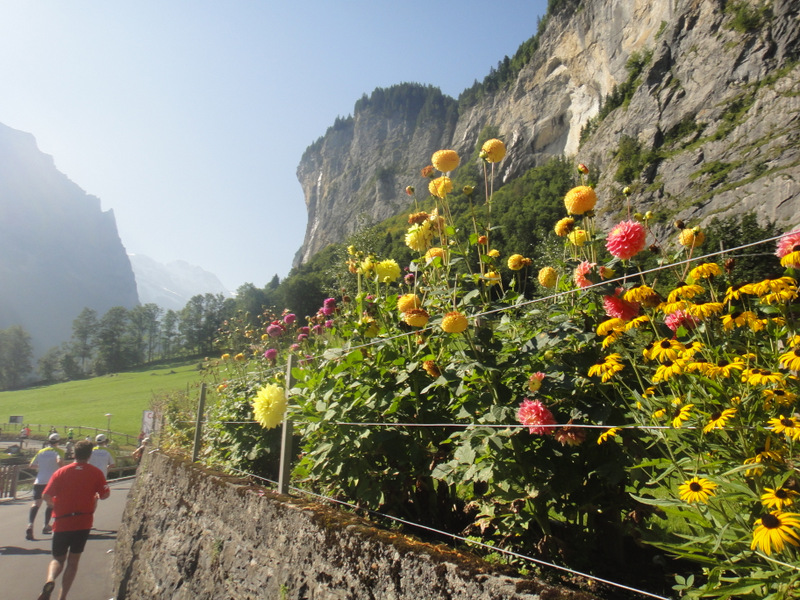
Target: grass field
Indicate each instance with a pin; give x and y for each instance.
(85, 403)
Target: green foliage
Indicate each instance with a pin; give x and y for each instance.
(749, 264)
(16, 356)
(745, 17)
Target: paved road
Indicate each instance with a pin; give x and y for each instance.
(23, 564)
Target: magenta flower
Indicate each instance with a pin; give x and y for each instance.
(289, 318)
(581, 271)
(294, 347)
(618, 308)
(328, 323)
(317, 329)
(304, 330)
(275, 330)
(787, 244)
(680, 318)
(271, 354)
(626, 239)
(536, 417)
(302, 337)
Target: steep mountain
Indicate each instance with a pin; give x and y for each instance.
(59, 252)
(691, 103)
(171, 285)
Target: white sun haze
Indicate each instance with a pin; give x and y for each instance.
(189, 118)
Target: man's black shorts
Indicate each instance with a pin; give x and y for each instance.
(74, 541)
(38, 488)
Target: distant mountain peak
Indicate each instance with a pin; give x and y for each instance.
(171, 285)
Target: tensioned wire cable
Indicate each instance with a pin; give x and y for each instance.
(348, 350)
(459, 538)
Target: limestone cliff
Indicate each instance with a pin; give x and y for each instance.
(712, 116)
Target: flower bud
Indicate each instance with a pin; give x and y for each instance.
(410, 190)
(582, 168)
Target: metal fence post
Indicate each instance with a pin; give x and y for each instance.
(198, 426)
(286, 438)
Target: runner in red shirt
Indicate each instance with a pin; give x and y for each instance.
(72, 493)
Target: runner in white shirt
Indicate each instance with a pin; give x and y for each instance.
(46, 462)
(101, 457)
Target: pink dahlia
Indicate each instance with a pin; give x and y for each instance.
(789, 244)
(271, 354)
(581, 271)
(618, 308)
(275, 329)
(626, 240)
(289, 318)
(680, 318)
(536, 417)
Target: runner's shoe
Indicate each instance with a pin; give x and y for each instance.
(29, 532)
(47, 590)
(47, 530)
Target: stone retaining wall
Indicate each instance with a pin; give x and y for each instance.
(190, 533)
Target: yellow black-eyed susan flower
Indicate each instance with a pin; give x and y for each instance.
(685, 291)
(705, 271)
(783, 297)
(719, 419)
(780, 396)
(681, 414)
(739, 319)
(669, 369)
(723, 369)
(637, 322)
(644, 295)
(608, 434)
(607, 368)
(762, 377)
(691, 348)
(735, 292)
(778, 497)
(610, 325)
(705, 310)
(666, 349)
(789, 426)
(773, 285)
(696, 489)
(774, 530)
(791, 359)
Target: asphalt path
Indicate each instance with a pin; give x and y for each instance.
(23, 563)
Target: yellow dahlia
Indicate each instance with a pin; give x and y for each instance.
(431, 368)
(440, 187)
(516, 262)
(387, 270)
(492, 278)
(407, 302)
(493, 151)
(548, 277)
(580, 200)
(445, 160)
(269, 406)
(416, 317)
(454, 322)
(691, 237)
(434, 253)
(578, 237)
(564, 226)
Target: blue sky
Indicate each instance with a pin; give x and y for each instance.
(188, 118)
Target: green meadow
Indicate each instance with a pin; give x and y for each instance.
(86, 403)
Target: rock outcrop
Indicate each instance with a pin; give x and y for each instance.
(711, 110)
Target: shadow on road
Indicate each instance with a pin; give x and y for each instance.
(10, 550)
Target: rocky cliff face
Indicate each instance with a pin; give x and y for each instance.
(713, 117)
(59, 252)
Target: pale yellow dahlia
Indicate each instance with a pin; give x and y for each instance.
(434, 253)
(387, 270)
(419, 236)
(454, 322)
(492, 278)
(407, 302)
(440, 187)
(548, 277)
(269, 406)
(493, 151)
(578, 237)
(445, 160)
(580, 200)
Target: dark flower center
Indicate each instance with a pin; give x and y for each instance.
(696, 487)
(723, 363)
(796, 248)
(665, 344)
(779, 392)
(736, 315)
(781, 493)
(715, 415)
(770, 521)
(787, 422)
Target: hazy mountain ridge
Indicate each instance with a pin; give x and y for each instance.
(171, 285)
(59, 252)
(714, 117)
